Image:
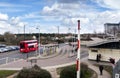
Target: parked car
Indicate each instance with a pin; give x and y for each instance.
(17, 47)
(3, 50)
(9, 48)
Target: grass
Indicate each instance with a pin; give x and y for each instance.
(90, 74)
(6, 73)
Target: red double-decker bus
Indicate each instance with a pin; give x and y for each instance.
(28, 45)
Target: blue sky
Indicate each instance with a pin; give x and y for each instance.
(49, 14)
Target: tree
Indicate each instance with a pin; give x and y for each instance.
(2, 38)
(9, 37)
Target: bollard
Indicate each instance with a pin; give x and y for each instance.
(6, 60)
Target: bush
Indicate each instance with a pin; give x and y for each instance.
(34, 72)
(85, 71)
(70, 72)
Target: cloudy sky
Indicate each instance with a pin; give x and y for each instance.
(47, 15)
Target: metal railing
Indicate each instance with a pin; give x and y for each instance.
(7, 60)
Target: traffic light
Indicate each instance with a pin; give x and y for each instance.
(112, 60)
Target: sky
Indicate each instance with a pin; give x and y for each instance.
(46, 16)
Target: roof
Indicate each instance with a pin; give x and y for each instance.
(110, 24)
(103, 42)
(29, 41)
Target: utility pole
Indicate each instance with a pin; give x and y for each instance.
(39, 41)
(24, 32)
(25, 39)
(58, 37)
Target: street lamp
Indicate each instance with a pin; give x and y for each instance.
(38, 41)
(24, 32)
(25, 39)
(58, 37)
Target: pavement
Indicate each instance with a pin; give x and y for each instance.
(18, 65)
(52, 69)
(95, 68)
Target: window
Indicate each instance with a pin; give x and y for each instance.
(94, 50)
(31, 42)
(32, 46)
(22, 45)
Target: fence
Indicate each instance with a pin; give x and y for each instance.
(7, 60)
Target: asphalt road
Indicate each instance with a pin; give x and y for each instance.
(62, 58)
(17, 55)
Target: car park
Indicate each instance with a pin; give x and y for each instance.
(12, 48)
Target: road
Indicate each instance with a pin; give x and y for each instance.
(62, 58)
(17, 55)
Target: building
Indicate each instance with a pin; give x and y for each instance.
(107, 49)
(112, 29)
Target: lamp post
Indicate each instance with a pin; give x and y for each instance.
(58, 37)
(38, 41)
(25, 39)
(24, 32)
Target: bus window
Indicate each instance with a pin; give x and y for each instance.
(22, 45)
(31, 46)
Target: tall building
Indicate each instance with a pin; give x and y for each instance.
(112, 29)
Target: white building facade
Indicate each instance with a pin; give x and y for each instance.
(107, 49)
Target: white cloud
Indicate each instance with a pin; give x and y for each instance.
(65, 14)
(90, 19)
(20, 24)
(3, 16)
(5, 4)
(15, 20)
(10, 24)
(4, 26)
(59, 9)
(112, 4)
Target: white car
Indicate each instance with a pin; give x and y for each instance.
(3, 50)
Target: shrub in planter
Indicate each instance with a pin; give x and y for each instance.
(34, 72)
(68, 72)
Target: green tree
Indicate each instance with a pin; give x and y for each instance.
(9, 38)
(2, 38)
